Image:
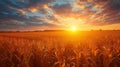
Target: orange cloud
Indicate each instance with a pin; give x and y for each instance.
(32, 9)
(45, 6)
(22, 11)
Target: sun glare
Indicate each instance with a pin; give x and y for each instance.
(73, 28)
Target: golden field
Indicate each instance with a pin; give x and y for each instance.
(60, 49)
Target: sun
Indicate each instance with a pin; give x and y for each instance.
(73, 28)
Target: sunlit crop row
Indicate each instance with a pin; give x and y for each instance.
(60, 52)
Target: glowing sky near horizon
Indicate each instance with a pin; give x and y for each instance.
(59, 14)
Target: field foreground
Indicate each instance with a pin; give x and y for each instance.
(60, 49)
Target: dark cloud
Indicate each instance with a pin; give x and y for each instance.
(62, 9)
(31, 23)
(109, 13)
(115, 4)
(12, 13)
(9, 8)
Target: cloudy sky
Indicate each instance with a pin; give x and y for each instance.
(59, 14)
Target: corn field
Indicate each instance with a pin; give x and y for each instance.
(60, 49)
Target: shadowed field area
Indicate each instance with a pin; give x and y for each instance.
(60, 49)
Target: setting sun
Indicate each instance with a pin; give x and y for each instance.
(73, 28)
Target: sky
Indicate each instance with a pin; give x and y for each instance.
(59, 14)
